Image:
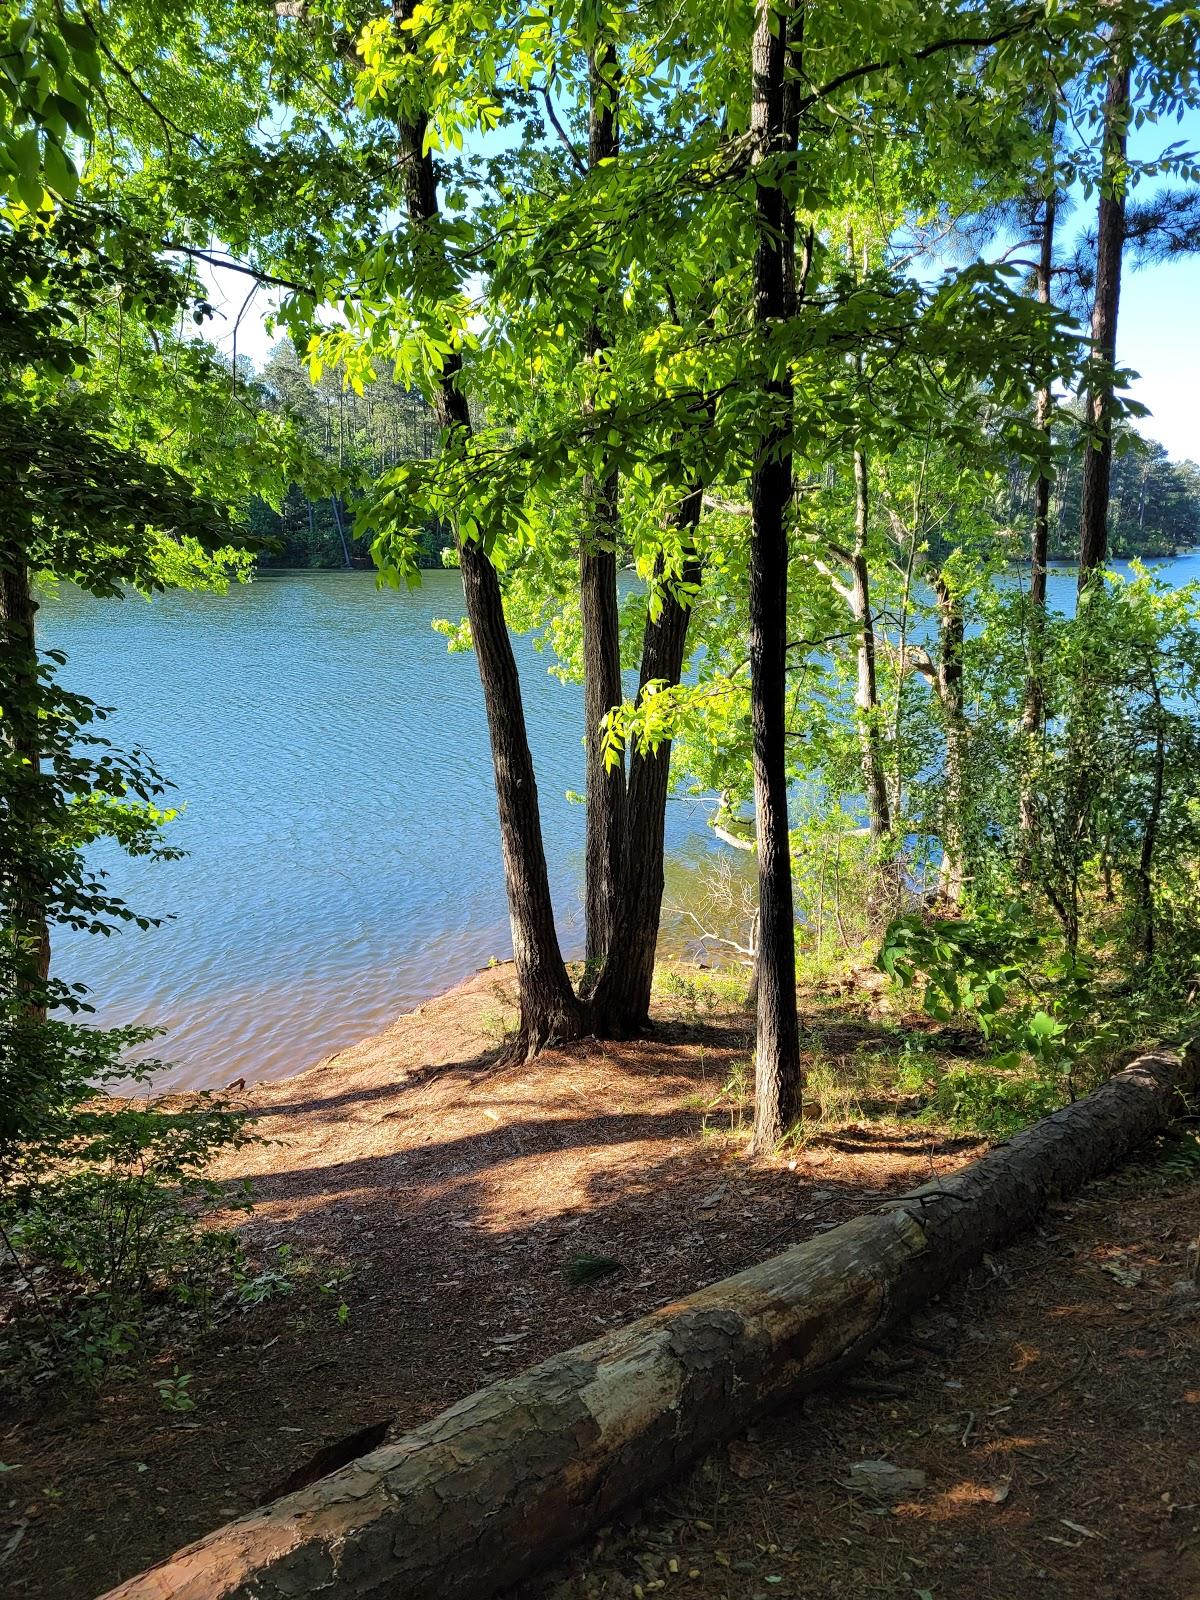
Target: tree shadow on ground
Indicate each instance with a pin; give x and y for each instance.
(439, 1257)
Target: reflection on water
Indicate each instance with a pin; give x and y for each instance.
(343, 860)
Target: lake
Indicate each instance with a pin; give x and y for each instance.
(343, 857)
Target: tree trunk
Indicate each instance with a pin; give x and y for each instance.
(866, 697)
(621, 1002)
(26, 899)
(953, 876)
(1110, 241)
(493, 1488)
(1035, 688)
(777, 1067)
(550, 1012)
(1145, 869)
(598, 606)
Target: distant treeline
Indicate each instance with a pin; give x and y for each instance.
(1155, 506)
(371, 432)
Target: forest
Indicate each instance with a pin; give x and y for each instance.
(1154, 507)
(763, 363)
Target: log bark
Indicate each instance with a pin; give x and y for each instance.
(506, 1479)
(549, 1010)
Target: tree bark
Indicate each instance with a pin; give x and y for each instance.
(777, 1062)
(621, 1001)
(1145, 867)
(26, 899)
(1035, 687)
(549, 1010)
(1110, 241)
(493, 1488)
(598, 605)
(954, 873)
(866, 696)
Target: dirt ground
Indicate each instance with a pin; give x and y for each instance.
(430, 1203)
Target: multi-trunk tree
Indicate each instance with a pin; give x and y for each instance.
(606, 243)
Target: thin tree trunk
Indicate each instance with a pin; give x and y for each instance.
(1035, 687)
(549, 1009)
(1110, 241)
(777, 1072)
(19, 729)
(1145, 873)
(953, 877)
(621, 1002)
(598, 605)
(866, 696)
(492, 1489)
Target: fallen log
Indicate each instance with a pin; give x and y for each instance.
(494, 1487)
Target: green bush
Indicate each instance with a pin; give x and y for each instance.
(101, 1225)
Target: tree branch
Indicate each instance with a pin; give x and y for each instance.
(577, 160)
(267, 279)
(963, 42)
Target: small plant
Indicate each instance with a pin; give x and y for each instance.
(583, 1268)
(272, 1282)
(498, 1026)
(1180, 1161)
(994, 1097)
(917, 1070)
(733, 1097)
(332, 1287)
(173, 1392)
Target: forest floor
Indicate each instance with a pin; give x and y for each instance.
(417, 1215)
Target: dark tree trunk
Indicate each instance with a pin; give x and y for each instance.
(26, 896)
(866, 696)
(550, 1012)
(954, 873)
(777, 1071)
(490, 1490)
(1110, 241)
(1043, 488)
(1145, 869)
(598, 606)
(621, 1002)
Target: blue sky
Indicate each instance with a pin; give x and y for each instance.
(1158, 329)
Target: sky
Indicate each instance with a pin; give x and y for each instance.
(1158, 331)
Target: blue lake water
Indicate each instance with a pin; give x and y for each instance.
(343, 860)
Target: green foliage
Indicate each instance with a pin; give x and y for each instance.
(173, 1392)
(131, 139)
(126, 449)
(1028, 998)
(582, 1269)
(352, 437)
(994, 1098)
(99, 1209)
(1180, 1160)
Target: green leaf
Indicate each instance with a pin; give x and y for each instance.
(60, 171)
